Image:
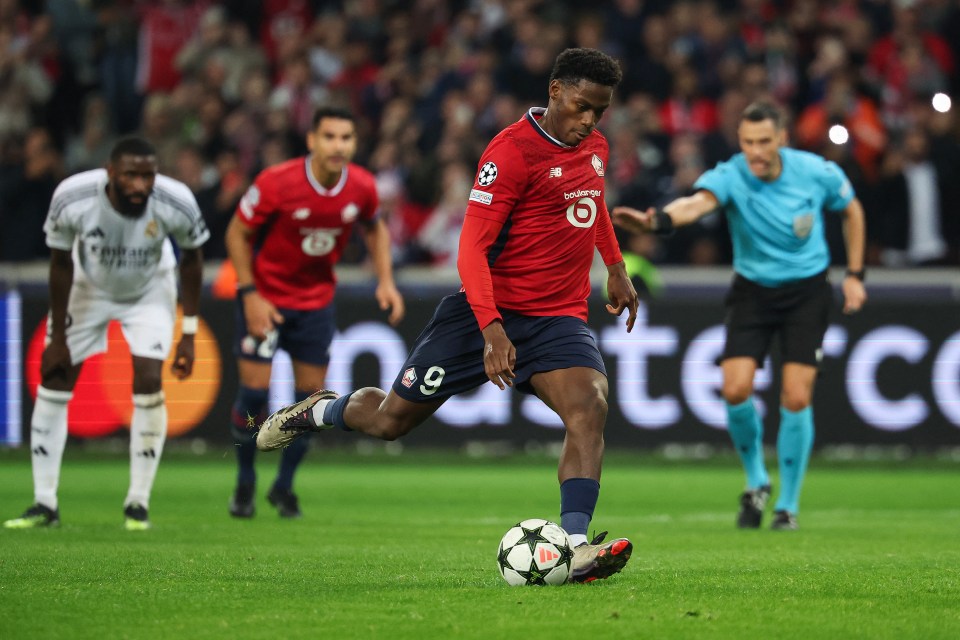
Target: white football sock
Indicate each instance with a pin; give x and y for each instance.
(148, 432)
(318, 413)
(577, 539)
(48, 438)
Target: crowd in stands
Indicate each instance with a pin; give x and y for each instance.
(224, 89)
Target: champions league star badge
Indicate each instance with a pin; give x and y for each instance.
(488, 173)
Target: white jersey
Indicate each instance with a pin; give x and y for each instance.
(118, 254)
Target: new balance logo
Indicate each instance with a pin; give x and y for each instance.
(96, 233)
(147, 453)
(556, 172)
(546, 555)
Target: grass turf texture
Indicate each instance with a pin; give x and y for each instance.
(405, 548)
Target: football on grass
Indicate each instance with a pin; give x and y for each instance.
(535, 551)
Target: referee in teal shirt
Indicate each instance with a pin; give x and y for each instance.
(774, 199)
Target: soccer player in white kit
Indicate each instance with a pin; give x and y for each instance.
(111, 258)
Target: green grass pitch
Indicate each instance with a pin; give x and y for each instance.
(405, 547)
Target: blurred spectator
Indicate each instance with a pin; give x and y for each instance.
(842, 105)
(914, 227)
(161, 127)
(24, 85)
(687, 110)
(297, 94)
(210, 39)
(281, 23)
(909, 54)
(90, 147)
(165, 27)
(26, 186)
(118, 39)
(649, 72)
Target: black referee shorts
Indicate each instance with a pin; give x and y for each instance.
(797, 312)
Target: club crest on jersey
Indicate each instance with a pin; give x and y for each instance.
(409, 377)
(350, 212)
(301, 214)
(597, 164)
(803, 225)
(151, 231)
(487, 174)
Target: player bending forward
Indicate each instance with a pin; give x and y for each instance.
(535, 216)
(111, 259)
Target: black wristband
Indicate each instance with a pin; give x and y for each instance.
(859, 275)
(663, 223)
(244, 289)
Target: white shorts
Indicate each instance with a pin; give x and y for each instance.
(147, 322)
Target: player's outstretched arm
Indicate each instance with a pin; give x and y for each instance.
(377, 239)
(191, 280)
(678, 213)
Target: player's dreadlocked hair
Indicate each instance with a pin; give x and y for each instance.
(574, 65)
(131, 146)
(760, 111)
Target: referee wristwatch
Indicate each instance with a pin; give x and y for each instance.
(859, 275)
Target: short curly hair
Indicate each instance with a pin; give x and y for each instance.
(574, 65)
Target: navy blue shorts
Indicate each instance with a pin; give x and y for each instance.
(798, 313)
(447, 357)
(304, 335)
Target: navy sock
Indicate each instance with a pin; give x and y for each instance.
(333, 412)
(249, 410)
(578, 499)
(292, 454)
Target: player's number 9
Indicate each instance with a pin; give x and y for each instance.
(432, 380)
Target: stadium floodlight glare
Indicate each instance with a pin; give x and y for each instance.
(941, 102)
(838, 134)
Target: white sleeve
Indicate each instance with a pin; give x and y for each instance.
(60, 226)
(187, 225)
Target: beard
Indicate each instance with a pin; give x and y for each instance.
(129, 207)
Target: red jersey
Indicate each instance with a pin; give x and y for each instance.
(303, 229)
(535, 215)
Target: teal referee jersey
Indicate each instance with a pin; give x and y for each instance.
(777, 227)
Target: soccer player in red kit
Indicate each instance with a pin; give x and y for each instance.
(535, 217)
(287, 234)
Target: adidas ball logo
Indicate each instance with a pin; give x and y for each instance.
(546, 555)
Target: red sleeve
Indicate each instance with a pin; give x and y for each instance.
(258, 204)
(372, 205)
(501, 178)
(476, 238)
(606, 238)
